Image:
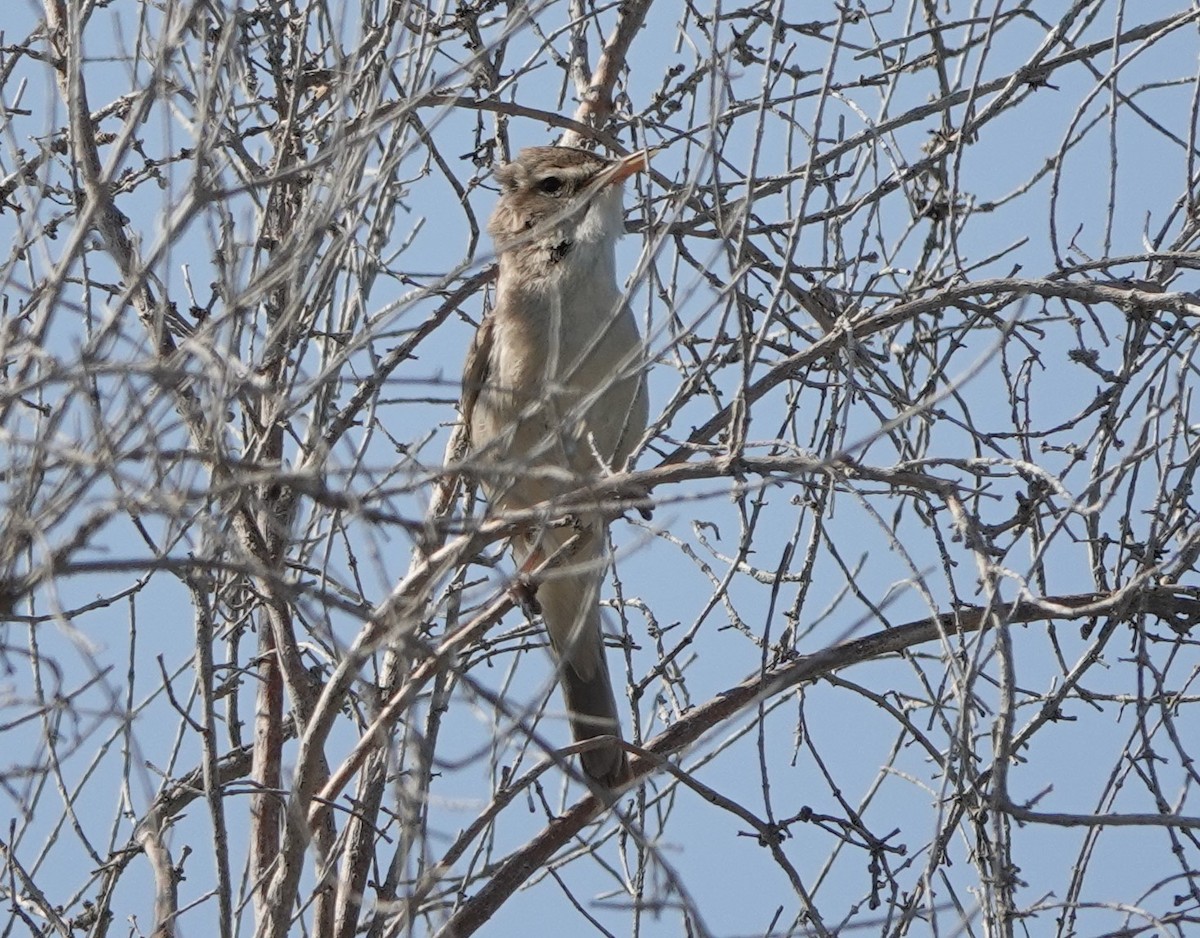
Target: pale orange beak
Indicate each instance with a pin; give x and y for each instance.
(628, 165)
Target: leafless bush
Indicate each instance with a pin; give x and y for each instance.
(908, 644)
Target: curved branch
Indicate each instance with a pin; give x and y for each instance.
(1163, 602)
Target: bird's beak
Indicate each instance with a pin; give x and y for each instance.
(628, 165)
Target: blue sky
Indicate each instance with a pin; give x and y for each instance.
(879, 555)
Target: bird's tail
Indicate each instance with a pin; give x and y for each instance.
(570, 606)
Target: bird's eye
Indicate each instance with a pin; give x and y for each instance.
(550, 185)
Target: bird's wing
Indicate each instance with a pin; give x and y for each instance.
(476, 371)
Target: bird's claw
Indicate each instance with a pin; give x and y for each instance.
(524, 593)
(638, 493)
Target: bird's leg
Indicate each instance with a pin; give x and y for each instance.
(629, 493)
(523, 590)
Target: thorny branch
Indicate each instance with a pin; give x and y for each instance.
(918, 595)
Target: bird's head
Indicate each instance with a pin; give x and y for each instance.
(558, 200)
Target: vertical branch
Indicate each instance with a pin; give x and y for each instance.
(268, 799)
(210, 740)
(149, 837)
(596, 104)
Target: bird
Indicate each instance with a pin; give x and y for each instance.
(554, 397)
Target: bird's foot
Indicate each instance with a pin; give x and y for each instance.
(639, 498)
(524, 593)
